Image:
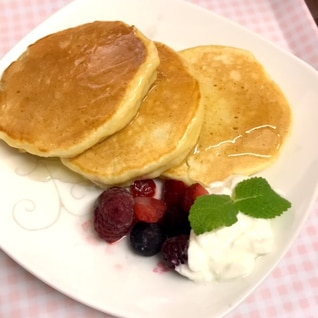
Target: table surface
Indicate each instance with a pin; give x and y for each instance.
(291, 290)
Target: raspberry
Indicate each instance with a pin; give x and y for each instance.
(113, 214)
(150, 210)
(174, 251)
(190, 194)
(143, 188)
(146, 239)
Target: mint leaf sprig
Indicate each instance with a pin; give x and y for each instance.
(253, 197)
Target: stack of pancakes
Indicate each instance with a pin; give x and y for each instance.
(116, 106)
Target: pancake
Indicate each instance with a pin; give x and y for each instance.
(73, 88)
(164, 131)
(247, 117)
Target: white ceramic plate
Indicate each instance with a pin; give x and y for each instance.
(44, 210)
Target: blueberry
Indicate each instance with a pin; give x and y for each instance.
(146, 239)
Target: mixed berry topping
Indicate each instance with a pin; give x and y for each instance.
(173, 192)
(150, 210)
(175, 251)
(114, 214)
(146, 239)
(143, 188)
(156, 223)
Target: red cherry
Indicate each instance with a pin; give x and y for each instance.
(190, 194)
(143, 188)
(173, 191)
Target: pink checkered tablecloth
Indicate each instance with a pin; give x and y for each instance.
(292, 288)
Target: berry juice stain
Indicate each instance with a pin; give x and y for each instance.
(90, 235)
(118, 267)
(161, 268)
(86, 226)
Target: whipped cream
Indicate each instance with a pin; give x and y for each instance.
(228, 252)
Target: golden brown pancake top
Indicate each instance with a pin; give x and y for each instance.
(67, 87)
(247, 117)
(165, 129)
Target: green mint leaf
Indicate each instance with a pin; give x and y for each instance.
(253, 197)
(256, 198)
(212, 211)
